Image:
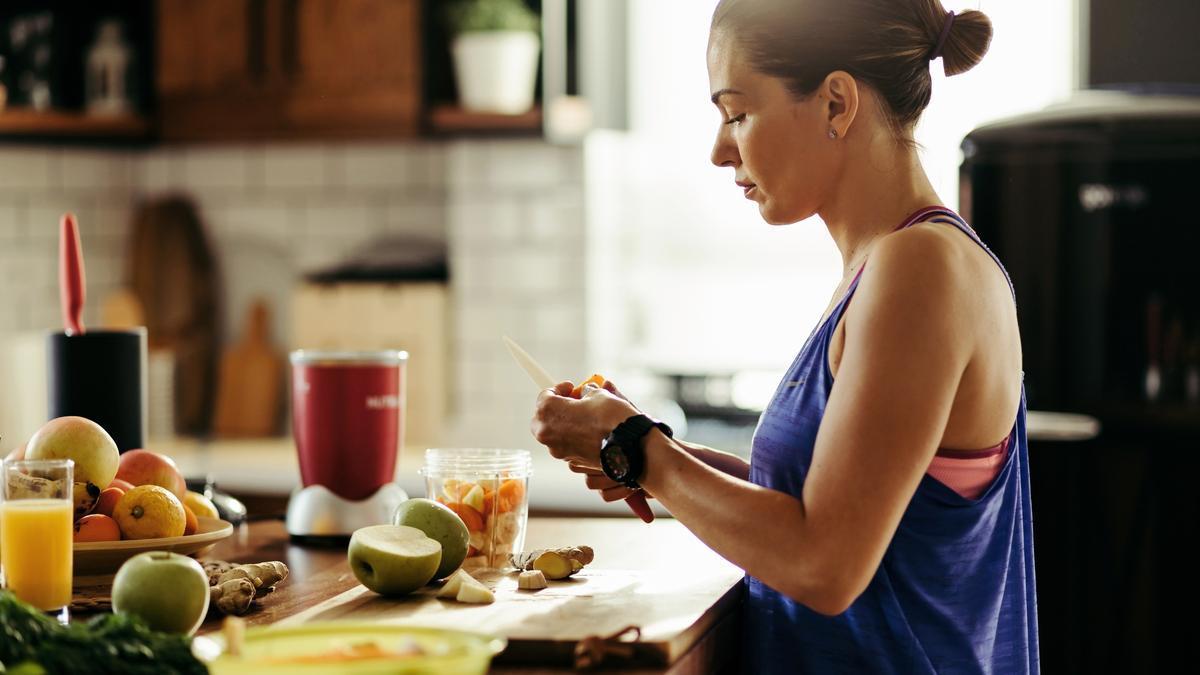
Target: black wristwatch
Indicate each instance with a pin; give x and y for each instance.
(622, 455)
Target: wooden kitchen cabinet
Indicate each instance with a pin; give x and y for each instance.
(265, 69)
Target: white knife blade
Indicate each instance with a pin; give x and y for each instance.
(531, 367)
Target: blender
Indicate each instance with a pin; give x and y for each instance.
(348, 423)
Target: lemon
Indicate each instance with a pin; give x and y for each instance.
(150, 512)
(200, 505)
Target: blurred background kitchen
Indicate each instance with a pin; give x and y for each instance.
(255, 176)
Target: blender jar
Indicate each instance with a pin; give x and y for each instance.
(489, 489)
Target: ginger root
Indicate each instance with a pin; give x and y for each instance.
(554, 563)
(234, 588)
(531, 580)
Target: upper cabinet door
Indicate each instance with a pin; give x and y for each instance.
(205, 46)
(356, 65)
(248, 69)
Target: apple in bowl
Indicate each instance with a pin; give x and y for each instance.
(143, 467)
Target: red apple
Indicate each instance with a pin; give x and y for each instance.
(142, 467)
(123, 484)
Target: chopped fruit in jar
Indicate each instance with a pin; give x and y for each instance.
(479, 542)
(510, 495)
(450, 488)
(506, 528)
(489, 503)
(474, 498)
(470, 516)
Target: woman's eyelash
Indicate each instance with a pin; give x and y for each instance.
(738, 118)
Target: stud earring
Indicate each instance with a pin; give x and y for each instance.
(832, 134)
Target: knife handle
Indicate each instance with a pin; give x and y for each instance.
(637, 503)
(70, 275)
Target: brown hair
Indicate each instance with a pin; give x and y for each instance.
(886, 44)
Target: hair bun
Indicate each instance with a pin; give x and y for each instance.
(966, 43)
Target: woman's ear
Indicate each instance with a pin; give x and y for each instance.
(841, 90)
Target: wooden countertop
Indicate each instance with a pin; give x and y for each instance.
(705, 623)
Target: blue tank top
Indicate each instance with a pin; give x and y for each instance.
(955, 590)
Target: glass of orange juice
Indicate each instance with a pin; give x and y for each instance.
(36, 531)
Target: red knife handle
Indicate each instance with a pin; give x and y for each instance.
(637, 503)
(70, 274)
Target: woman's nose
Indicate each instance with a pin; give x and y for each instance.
(724, 152)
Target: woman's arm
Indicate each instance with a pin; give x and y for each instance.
(725, 462)
(905, 352)
(908, 341)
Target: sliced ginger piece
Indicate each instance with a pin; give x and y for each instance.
(532, 580)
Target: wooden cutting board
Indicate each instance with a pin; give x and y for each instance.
(673, 610)
(250, 381)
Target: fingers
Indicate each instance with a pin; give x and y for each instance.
(601, 482)
(612, 389)
(584, 469)
(564, 388)
(616, 494)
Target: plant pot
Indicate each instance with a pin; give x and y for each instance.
(496, 71)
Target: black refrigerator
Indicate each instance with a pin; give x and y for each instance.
(1093, 208)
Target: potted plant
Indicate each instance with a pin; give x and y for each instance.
(495, 49)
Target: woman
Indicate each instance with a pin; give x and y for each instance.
(871, 540)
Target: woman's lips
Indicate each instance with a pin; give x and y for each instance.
(749, 190)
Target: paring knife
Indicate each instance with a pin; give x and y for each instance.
(636, 501)
(71, 286)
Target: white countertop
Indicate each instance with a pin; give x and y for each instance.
(269, 466)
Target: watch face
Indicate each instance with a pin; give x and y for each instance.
(615, 461)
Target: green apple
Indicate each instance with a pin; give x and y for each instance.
(81, 440)
(167, 590)
(393, 559)
(440, 523)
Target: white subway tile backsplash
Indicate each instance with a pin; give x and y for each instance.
(269, 220)
(95, 170)
(390, 166)
(218, 168)
(482, 224)
(297, 167)
(424, 217)
(12, 224)
(344, 219)
(23, 168)
(159, 171)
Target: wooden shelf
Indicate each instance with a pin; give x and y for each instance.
(21, 123)
(451, 119)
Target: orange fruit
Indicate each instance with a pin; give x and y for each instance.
(150, 512)
(96, 527)
(510, 495)
(108, 501)
(596, 379)
(190, 523)
(470, 516)
(200, 505)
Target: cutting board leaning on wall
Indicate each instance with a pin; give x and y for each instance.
(173, 273)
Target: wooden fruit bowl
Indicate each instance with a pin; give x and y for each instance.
(98, 558)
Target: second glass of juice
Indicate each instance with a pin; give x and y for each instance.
(36, 531)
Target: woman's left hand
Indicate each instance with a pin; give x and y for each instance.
(573, 429)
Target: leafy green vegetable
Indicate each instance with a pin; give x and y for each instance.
(491, 15)
(110, 643)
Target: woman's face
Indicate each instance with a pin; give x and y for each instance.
(778, 147)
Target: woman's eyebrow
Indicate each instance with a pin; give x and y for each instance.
(721, 92)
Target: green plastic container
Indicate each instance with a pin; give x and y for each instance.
(282, 651)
